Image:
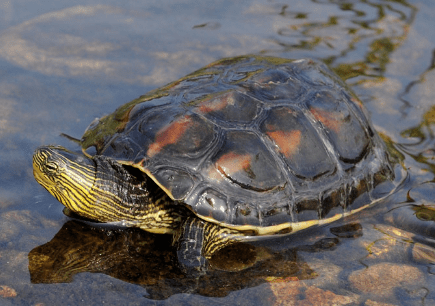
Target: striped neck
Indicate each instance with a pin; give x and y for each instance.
(119, 195)
(104, 190)
(97, 188)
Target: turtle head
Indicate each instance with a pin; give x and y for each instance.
(68, 176)
(104, 190)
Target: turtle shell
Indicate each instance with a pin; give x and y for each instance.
(251, 142)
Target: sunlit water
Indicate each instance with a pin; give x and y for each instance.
(63, 65)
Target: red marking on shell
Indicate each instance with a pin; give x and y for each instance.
(287, 141)
(169, 135)
(231, 163)
(329, 119)
(216, 104)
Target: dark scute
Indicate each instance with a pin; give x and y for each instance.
(141, 109)
(306, 215)
(121, 147)
(270, 76)
(356, 106)
(341, 125)
(307, 159)
(332, 202)
(140, 134)
(220, 216)
(243, 72)
(308, 209)
(195, 134)
(178, 182)
(198, 93)
(274, 213)
(274, 84)
(246, 161)
(342, 198)
(194, 81)
(232, 106)
(314, 73)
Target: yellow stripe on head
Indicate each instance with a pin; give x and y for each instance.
(68, 176)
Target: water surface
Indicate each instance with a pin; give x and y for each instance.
(62, 65)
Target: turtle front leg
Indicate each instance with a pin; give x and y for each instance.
(198, 240)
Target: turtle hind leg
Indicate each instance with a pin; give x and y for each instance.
(198, 240)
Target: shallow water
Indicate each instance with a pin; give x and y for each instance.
(63, 65)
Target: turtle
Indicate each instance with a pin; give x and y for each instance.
(246, 147)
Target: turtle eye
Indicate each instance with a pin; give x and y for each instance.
(51, 167)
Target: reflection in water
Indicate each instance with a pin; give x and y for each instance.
(150, 260)
(416, 219)
(69, 50)
(422, 148)
(351, 230)
(385, 24)
(417, 216)
(424, 213)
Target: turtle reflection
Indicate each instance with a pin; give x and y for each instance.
(424, 213)
(415, 219)
(149, 260)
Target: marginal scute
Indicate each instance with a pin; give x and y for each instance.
(195, 84)
(196, 94)
(215, 203)
(177, 182)
(276, 212)
(307, 208)
(314, 73)
(240, 73)
(142, 108)
(246, 213)
(121, 147)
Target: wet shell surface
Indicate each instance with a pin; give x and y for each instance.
(255, 143)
